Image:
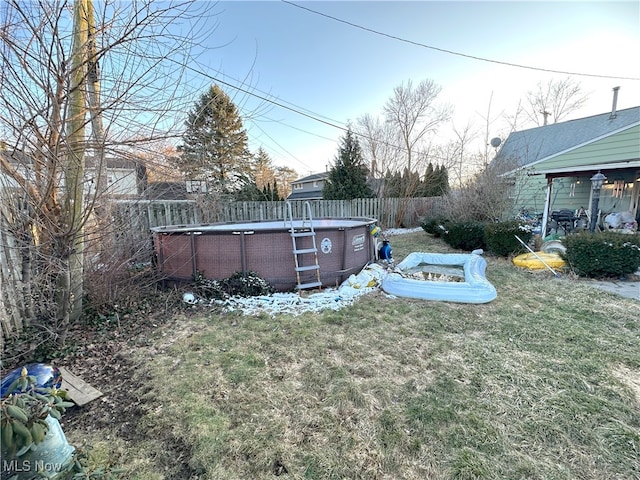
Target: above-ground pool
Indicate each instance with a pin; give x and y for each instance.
(217, 251)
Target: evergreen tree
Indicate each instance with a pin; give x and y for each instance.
(392, 184)
(411, 185)
(275, 196)
(430, 182)
(348, 177)
(247, 191)
(215, 143)
(435, 182)
(263, 168)
(442, 175)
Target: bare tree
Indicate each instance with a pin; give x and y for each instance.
(456, 155)
(556, 99)
(485, 196)
(78, 84)
(414, 113)
(379, 147)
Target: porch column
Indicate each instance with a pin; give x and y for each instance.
(547, 203)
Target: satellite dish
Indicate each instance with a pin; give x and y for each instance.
(495, 142)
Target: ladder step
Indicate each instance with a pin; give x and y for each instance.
(309, 285)
(307, 268)
(303, 234)
(305, 250)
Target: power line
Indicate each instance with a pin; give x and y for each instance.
(451, 52)
(281, 147)
(315, 115)
(263, 98)
(294, 110)
(311, 112)
(297, 110)
(280, 122)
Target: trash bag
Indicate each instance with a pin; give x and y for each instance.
(54, 454)
(45, 460)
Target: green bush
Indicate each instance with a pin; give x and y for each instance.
(465, 235)
(606, 254)
(436, 226)
(500, 237)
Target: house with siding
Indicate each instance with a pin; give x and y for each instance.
(308, 188)
(124, 178)
(550, 167)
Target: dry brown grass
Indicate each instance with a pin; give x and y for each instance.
(539, 384)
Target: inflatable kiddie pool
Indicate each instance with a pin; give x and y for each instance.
(472, 287)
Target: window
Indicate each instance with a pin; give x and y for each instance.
(196, 186)
(618, 189)
(297, 186)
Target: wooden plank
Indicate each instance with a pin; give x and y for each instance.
(79, 391)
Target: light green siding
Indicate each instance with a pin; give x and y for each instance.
(619, 147)
(530, 191)
(571, 193)
(567, 192)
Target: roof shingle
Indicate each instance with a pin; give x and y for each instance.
(535, 144)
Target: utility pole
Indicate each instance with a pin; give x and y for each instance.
(74, 172)
(93, 100)
(545, 114)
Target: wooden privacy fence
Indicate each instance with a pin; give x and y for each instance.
(14, 289)
(11, 299)
(141, 215)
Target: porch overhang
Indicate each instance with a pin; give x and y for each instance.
(568, 171)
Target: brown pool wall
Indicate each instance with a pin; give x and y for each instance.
(345, 246)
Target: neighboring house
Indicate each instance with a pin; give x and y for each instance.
(123, 178)
(551, 166)
(308, 188)
(167, 191)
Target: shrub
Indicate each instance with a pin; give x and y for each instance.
(465, 235)
(436, 226)
(485, 197)
(500, 237)
(248, 284)
(606, 254)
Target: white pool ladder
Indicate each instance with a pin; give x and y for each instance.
(306, 259)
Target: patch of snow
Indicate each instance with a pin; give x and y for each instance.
(401, 231)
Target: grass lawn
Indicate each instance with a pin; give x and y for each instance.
(541, 383)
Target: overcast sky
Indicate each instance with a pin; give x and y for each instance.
(338, 69)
